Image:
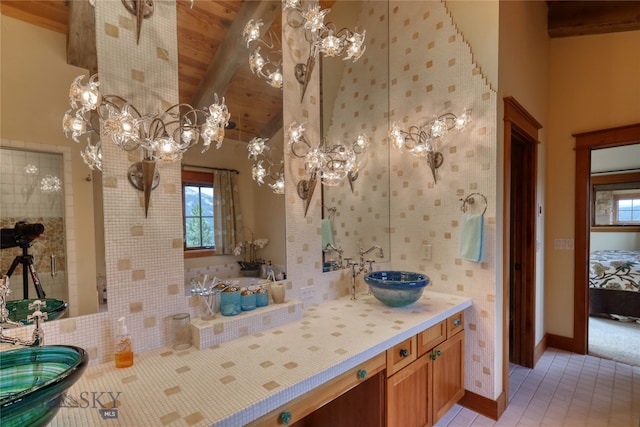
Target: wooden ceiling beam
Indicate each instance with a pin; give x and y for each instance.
(227, 60)
(81, 36)
(577, 18)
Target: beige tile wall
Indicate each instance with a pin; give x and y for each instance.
(432, 72)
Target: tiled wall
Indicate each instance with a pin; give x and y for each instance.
(143, 255)
(432, 72)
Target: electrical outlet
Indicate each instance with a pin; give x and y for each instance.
(308, 294)
(426, 250)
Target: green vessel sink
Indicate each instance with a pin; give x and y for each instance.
(33, 380)
(19, 309)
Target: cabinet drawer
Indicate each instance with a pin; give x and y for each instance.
(431, 337)
(455, 324)
(400, 355)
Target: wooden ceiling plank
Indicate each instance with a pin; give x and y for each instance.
(576, 18)
(226, 60)
(81, 37)
(51, 15)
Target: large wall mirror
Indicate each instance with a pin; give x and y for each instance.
(33, 193)
(34, 103)
(355, 100)
(43, 177)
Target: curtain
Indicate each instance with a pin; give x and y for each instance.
(227, 218)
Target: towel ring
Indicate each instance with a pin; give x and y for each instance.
(332, 210)
(469, 200)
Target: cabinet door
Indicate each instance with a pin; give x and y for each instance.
(448, 375)
(407, 396)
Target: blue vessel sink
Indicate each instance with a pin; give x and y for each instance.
(19, 309)
(396, 288)
(33, 380)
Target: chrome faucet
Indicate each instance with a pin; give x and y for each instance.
(371, 249)
(359, 267)
(330, 247)
(37, 338)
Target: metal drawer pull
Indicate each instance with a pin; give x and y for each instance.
(404, 352)
(456, 322)
(362, 374)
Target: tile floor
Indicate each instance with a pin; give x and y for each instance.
(567, 390)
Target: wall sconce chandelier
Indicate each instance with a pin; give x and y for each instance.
(331, 164)
(163, 137)
(322, 38)
(264, 66)
(257, 148)
(423, 140)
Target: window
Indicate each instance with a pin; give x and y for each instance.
(627, 208)
(615, 202)
(197, 196)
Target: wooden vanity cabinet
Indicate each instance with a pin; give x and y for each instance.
(448, 375)
(425, 388)
(413, 384)
(355, 398)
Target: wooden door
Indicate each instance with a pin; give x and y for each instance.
(520, 210)
(407, 395)
(448, 375)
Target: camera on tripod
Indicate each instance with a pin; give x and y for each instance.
(22, 234)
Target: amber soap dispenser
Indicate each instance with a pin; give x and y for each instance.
(124, 352)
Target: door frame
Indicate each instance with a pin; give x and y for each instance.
(585, 142)
(517, 120)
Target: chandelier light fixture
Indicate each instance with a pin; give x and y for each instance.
(265, 67)
(273, 172)
(424, 140)
(329, 163)
(163, 137)
(323, 38)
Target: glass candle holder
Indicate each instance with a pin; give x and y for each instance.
(230, 302)
(262, 297)
(181, 331)
(248, 300)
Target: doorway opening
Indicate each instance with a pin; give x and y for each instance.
(585, 143)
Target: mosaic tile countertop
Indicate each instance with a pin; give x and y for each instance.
(236, 382)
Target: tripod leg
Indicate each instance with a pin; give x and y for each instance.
(25, 281)
(34, 276)
(14, 264)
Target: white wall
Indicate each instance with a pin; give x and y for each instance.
(600, 241)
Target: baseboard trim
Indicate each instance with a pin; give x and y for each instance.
(483, 405)
(539, 349)
(560, 342)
